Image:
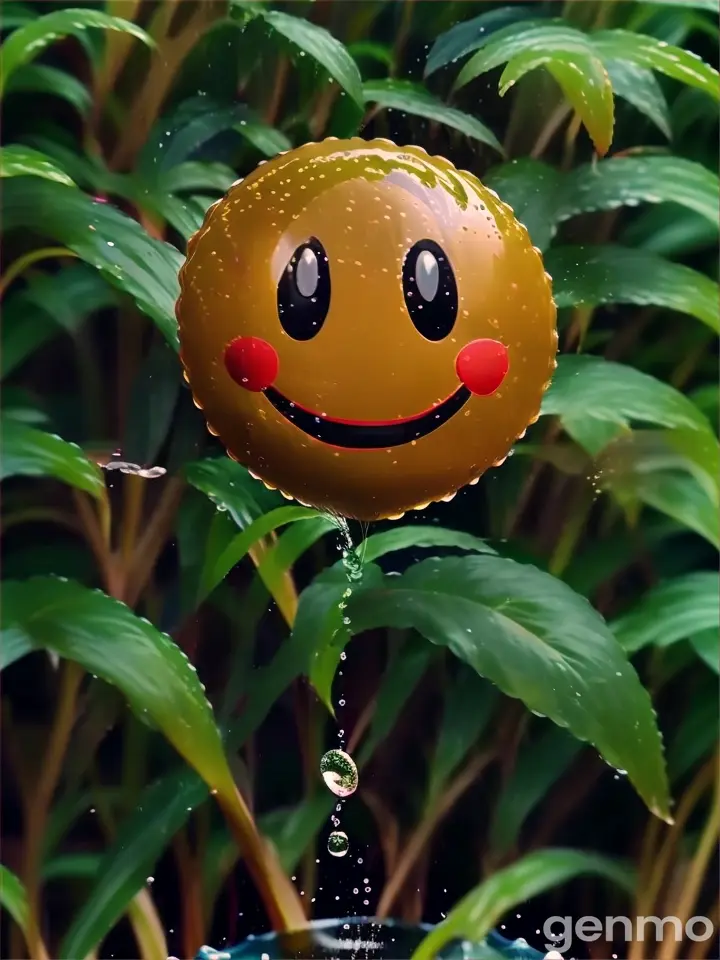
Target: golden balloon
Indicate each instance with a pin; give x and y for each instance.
(366, 328)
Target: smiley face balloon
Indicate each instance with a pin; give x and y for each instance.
(365, 327)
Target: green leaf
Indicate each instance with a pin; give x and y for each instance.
(469, 703)
(20, 161)
(541, 761)
(414, 99)
(28, 41)
(584, 82)
(655, 54)
(13, 897)
(587, 388)
(321, 46)
(674, 610)
(230, 487)
(371, 51)
(469, 35)
(40, 78)
(537, 640)
(627, 181)
(199, 176)
(110, 642)
(640, 88)
(289, 547)
(416, 537)
(80, 866)
(611, 274)
(534, 191)
(697, 733)
(670, 231)
(524, 38)
(28, 452)
(162, 810)
(117, 246)
(481, 909)
(151, 404)
(706, 646)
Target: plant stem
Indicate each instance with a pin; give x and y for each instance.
(34, 256)
(39, 801)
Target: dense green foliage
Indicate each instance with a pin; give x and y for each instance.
(486, 701)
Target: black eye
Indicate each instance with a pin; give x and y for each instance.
(430, 290)
(303, 296)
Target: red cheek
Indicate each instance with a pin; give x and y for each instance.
(251, 362)
(482, 366)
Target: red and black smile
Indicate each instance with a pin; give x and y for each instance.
(368, 434)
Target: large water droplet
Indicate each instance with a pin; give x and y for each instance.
(339, 772)
(338, 844)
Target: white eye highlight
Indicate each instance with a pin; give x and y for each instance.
(427, 275)
(307, 273)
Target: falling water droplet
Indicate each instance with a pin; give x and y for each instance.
(338, 843)
(339, 772)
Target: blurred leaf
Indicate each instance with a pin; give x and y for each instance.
(670, 231)
(15, 14)
(526, 37)
(199, 176)
(469, 703)
(152, 402)
(19, 161)
(674, 610)
(536, 640)
(75, 866)
(418, 536)
(469, 35)
(26, 42)
(413, 99)
(479, 911)
(109, 641)
(640, 88)
(126, 256)
(707, 646)
(627, 181)
(534, 191)
(372, 51)
(697, 733)
(541, 761)
(611, 274)
(13, 897)
(587, 388)
(28, 452)
(40, 78)
(710, 5)
(584, 82)
(676, 494)
(322, 46)
(162, 809)
(657, 55)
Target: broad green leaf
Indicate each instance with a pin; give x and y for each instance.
(290, 546)
(542, 760)
(267, 140)
(469, 35)
(26, 42)
(610, 274)
(583, 80)
(641, 89)
(322, 46)
(117, 246)
(371, 51)
(697, 732)
(15, 14)
(588, 388)
(537, 640)
(162, 810)
(657, 55)
(13, 897)
(534, 191)
(675, 493)
(151, 404)
(412, 98)
(627, 181)
(709, 5)
(109, 641)
(674, 610)
(231, 488)
(670, 231)
(524, 38)
(479, 911)
(40, 78)
(17, 160)
(28, 452)
(82, 866)
(199, 176)
(416, 537)
(469, 703)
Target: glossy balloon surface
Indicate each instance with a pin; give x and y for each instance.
(365, 327)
